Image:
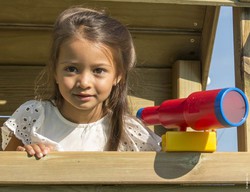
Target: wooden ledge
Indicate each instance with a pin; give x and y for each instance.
(124, 168)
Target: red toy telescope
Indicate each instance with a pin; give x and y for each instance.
(201, 110)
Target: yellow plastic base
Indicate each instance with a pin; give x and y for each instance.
(189, 141)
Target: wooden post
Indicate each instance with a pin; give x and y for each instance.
(186, 78)
(207, 42)
(241, 18)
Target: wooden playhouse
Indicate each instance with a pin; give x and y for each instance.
(174, 42)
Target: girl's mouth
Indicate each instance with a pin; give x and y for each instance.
(84, 97)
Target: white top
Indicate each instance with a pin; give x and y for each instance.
(41, 122)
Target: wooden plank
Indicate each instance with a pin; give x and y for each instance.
(27, 47)
(152, 84)
(236, 3)
(163, 50)
(16, 85)
(124, 188)
(207, 41)
(31, 47)
(241, 17)
(70, 168)
(47, 11)
(130, 13)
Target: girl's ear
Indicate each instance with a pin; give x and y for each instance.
(117, 80)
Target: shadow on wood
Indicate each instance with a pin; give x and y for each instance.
(173, 170)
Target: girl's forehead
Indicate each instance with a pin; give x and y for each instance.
(90, 45)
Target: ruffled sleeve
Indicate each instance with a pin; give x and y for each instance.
(24, 123)
(139, 138)
(28, 116)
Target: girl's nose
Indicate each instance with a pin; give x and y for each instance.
(84, 80)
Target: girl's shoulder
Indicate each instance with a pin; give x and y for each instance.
(138, 137)
(27, 114)
(21, 123)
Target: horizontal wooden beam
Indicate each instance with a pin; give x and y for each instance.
(131, 13)
(236, 3)
(153, 50)
(147, 30)
(124, 188)
(73, 168)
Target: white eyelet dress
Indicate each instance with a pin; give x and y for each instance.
(41, 122)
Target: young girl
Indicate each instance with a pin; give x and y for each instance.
(81, 97)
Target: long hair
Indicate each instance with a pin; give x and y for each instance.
(97, 27)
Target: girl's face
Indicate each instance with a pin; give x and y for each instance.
(85, 75)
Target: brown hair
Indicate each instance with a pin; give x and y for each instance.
(98, 27)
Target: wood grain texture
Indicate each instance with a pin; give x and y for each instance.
(241, 18)
(235, 3)
(172, 33)
(186, 78)
(24, 47)
(17, 86)
(156, 50)
(124, 168)
(47, 11)
(125, 188)
(153, 84)
(207, 41)
(130, 13)
(31, 47)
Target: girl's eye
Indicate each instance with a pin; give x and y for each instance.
(71, 69)
(99, 71)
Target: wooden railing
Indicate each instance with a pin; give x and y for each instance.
(118, 170)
